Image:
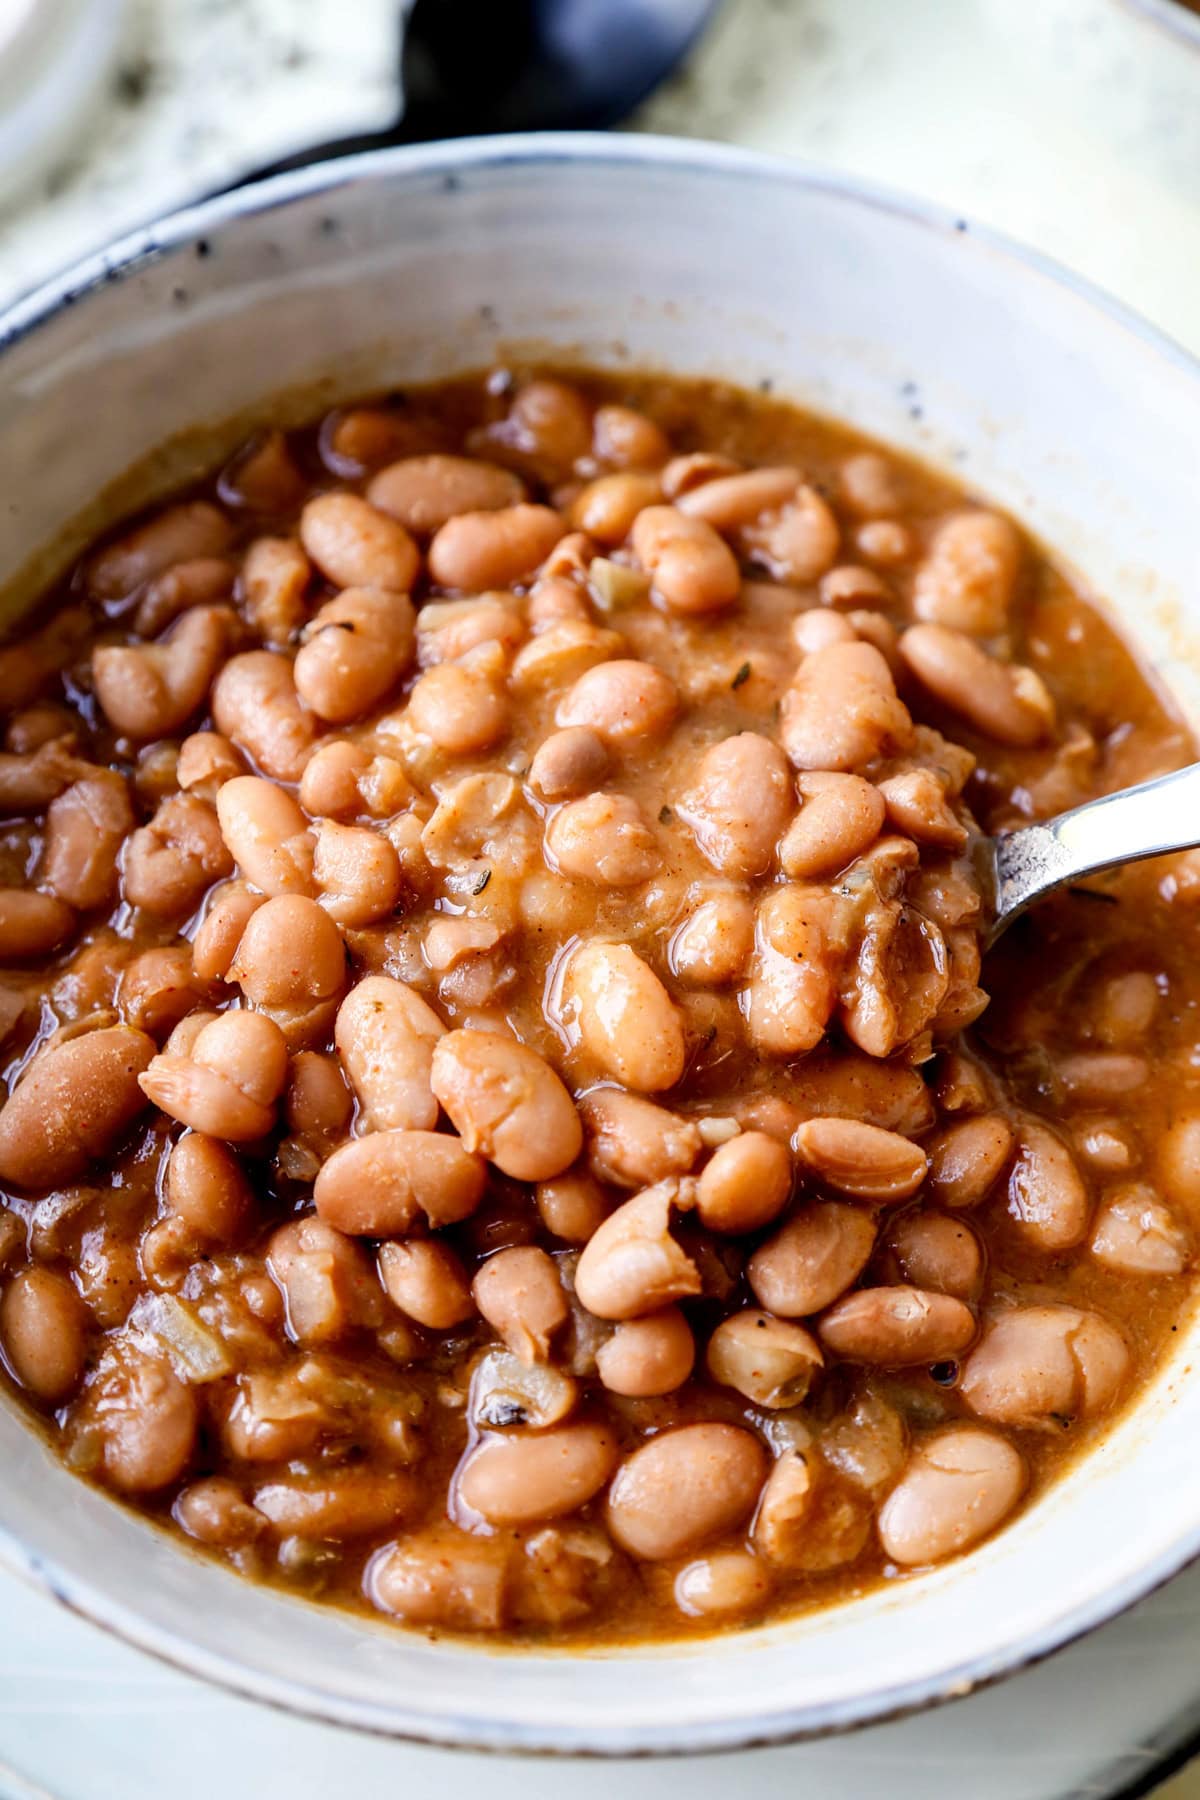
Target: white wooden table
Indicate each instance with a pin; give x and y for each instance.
(1068, 123)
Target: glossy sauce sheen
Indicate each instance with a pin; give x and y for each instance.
(692, 1242)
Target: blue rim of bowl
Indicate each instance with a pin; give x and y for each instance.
(133, 253)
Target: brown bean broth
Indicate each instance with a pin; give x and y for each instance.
(732, 671)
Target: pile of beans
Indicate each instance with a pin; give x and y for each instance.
(504, 1124)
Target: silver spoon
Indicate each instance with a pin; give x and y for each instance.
(1151, 819)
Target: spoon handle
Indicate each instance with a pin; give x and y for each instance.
(1147, 820)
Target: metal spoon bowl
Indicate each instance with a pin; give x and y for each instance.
(1023, 866)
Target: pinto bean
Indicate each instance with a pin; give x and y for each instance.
(220, 931)
(625, 703)
(771, 1361)
(603, 839)
(43, 1330)
(809, 1520)
(347, 1504)
(32, 924)
(158, 988)
(85, 828)
(895, 1326)
(737, 804)
(523, 1477)
(206, 761)
(840, 817)
(633, 1143)
(215, 1511)
(861, 1159)
(521, 1297)
(568, 763)
(176, 535)
(425, 1279)
(626, 1020)
(386, 1035)
(228, 1083)
(354, 651)
(1047, 1198)
(318, 1104)
(745, 1184)
(958, 1486)
(811, 1261)
(443, 1577)
(291, 965)
(31, 780)
(274, 582)
(714, 943)
(631, 1265)
(506, 1102)
(358, 872)
(607, 507)
(626, 439)
(729, 502)
(1136, 1234)
(1004, 701)
(170, 862)
(150, 690)
(647, 1356)
(326, 1279)
(968, 1158)
(357, 546)
(842, 710)
(75, 1102)
(199, 582)
(967, 578)
(725, 1583)
(207, 1189)
(256, 706)
(148, 1420)
(694, 572)
(267, 835)
(937, 1251)
(572, 1206)
(424, 492)
(793, 975)
(459, 709)
(548, 428)
(375, 1186)
(474, 551)
(1045, 1366)
(684, 1488)
(799, 541)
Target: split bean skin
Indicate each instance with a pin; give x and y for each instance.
(506, 1121)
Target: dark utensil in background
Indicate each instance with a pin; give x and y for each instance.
(470, 67)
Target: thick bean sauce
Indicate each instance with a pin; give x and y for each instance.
(505, 1124)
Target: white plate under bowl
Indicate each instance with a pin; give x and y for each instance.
(642, 253)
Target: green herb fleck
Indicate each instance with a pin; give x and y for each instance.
(665, 816)
(742, 675)
(482, 882)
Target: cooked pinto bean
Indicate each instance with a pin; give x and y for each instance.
(506, 1102)
(386, 1036)
(812, 1260)
(158, 988)
(648, 1356)
(290, 963)
(85, 828)
(519, 1294)
(1046, 1195)
(526, 1476)
(327, 1282)
(426, 1280)
(358, 872)
(799, 542)
(935, 1250)
(968, 577)
(1045, 1365)
(861, 1159)
(207, 1189)
(714, 943)
(916, 804)
(724, 1583)
(175, 535)
(275, 579)
(627, 439)
(745, 1184)
(493, 549)
(625, 1018)
(356, 545)
(147, 1420)
(170, 862)
(730, 501)
(1136, 1233)
(693, 571)
(424, 492)
(151, 690)
(793, 976)
(351, 1503)
(842, 710)
(739, 801)
(354, 651)
(459, 709)
(1004, 701)
(840, 817)
(375, 1186)
(43, 1331)
(31, 923)
(897, 1325)
(75, 1102)
(957, 1488)
(206, 762)
(228, 1082)
(604, 839)
(267, 835)
(568, 762)
(572, 1206)
(771, 1361)
(608, 507)
(623, 702)
(684, 1488)
(631, 1265)
(968, 1158)
(632, 1143)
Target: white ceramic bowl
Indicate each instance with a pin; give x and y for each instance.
(625, 251)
